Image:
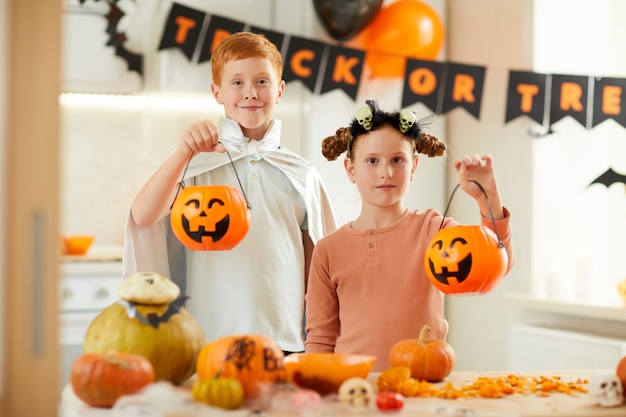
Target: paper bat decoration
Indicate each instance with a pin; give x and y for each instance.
(152, 319)
(134, 61)
(609, 177)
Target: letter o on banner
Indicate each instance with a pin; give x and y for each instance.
(403, 29)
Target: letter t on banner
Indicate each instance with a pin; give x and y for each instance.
(182, 29)
(569, 98)
(526, 95)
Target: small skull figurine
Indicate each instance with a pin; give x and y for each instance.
(407, 119)
(607, 390)
(364, 117)
(356, 391)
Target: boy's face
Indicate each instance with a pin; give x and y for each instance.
(249, 91)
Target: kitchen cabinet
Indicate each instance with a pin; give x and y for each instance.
(86, 287)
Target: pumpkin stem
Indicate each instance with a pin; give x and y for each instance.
(424, 334)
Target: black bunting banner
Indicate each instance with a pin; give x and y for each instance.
(219, 28)
(441, 87)
(343, 70)
(303, 61)
(464, 88)
(422, 82)
(182, 29)
(526, 96)
(569, 98)
(607, 101)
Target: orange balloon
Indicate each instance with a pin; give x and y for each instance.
(403, 29)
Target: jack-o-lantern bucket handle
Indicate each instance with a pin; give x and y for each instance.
(181, 185)
(493, 220)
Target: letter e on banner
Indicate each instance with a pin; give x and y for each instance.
(608, 100)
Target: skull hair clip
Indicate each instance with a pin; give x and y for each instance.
(364, 117)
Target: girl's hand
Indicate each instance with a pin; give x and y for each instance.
(201, 136)
(479, 169)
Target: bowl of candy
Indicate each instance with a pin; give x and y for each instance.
(325, 372)
(76, 244)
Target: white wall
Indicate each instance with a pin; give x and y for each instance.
(112, 145)
(498, 35)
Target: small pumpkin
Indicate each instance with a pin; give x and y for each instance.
(465, 260)
(99, 379)
(620, 371)
(428, 359)
(222, 392)
(151, 321)
(212, 217)
(254, 359)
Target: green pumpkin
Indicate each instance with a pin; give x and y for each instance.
(166, 334)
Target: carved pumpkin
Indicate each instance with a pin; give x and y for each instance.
(214, 217)
(99, 379)
(150, 321)
(428, 359)
(255, 360)
(465, 260)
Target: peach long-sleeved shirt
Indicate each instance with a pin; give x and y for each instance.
(368, 289)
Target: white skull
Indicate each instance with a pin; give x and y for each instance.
(407, 119)
(607, 390)
(364, 117)
(356, 391)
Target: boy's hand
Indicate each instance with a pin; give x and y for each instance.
(202, 136)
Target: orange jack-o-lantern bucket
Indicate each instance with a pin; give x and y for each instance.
(466, 259)
(210, 217)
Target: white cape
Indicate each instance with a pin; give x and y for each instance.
(155, 249)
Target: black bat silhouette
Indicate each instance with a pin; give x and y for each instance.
(152, 319)
(134, 61)
(609, 177)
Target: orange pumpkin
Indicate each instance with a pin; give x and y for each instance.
(620, 371)
(465, 260)
(99, 379)
(214, 217)
(428, 359)
(255, 360)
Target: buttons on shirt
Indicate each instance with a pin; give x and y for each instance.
(371, 245)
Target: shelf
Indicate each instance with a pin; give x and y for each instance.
(614, 312)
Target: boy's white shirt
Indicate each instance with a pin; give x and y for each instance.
(152, 250)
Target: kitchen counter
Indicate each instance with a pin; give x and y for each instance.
(556, 404)
(97, 253)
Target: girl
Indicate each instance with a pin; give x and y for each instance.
(367, 286)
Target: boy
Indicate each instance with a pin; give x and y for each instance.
(257, 287)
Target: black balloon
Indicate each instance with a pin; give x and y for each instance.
(343, 19)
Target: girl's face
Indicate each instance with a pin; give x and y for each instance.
(249, 92)
(382, 165)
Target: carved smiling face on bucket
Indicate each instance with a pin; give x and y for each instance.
(465, 260)
(210, 217)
